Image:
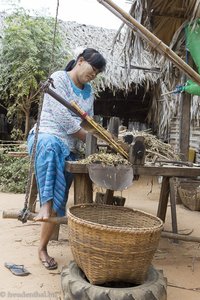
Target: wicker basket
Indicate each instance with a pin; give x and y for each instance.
(189, 192)
(113, 243)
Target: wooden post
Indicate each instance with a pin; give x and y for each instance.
(164, 195)
(116, 200)
(163, 201)
(114, 129)
(137, 153)
(32, 205)
(113, 126)
(83, 192)
(33, 194)
(91, 144)
(173, 209)
(55, 234)
(185, 120)
(185, 126)
(108, 197)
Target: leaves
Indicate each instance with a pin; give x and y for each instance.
(25, 59)
(13, 173)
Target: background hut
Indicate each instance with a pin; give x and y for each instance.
(137, 76)
(119, 93)
(167, 20)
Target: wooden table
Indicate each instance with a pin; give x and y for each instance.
(83, 192)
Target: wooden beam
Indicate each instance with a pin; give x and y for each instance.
(30, 217)
(171, 171)
(182, 237)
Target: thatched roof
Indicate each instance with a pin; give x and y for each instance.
(130, 61)
(115, 77)
(166, 19)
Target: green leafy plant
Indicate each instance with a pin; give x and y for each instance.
(13, 173)
(26, 57)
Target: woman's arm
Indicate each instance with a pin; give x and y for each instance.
(81, 134)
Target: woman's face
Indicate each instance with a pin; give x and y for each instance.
(85, 71)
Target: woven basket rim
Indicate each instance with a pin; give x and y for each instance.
(114, 228)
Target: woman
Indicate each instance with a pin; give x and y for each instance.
(58, 133)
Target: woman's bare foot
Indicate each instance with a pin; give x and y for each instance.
(47, 261)
(45, 212)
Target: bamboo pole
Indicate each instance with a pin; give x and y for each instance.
(156, 43)
(102, 132)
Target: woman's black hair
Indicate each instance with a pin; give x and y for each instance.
(92, 56)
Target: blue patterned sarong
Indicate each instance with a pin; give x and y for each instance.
(52, 180)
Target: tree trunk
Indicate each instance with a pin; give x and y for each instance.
(27, 123)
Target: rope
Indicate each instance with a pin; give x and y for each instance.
(54, 38)
(24, 213)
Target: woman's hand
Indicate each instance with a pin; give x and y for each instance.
(81, 134)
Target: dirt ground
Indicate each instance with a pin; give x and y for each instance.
(179, 262)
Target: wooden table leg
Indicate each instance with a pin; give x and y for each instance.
(83, 192)
(55, 234)
(173, 207)
(108, 197)
(164, 195)
(163, 201)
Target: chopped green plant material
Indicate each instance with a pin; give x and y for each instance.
(107, 159)
(13, 173)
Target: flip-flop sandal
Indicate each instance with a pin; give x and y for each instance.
(17, 270)
(50, 265)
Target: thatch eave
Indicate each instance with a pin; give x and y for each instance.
(116, 76)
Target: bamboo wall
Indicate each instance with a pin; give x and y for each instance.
(194, 137)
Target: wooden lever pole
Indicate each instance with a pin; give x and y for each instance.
(63, 220)
(30, 217)
(104, 134)
(156, 43)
